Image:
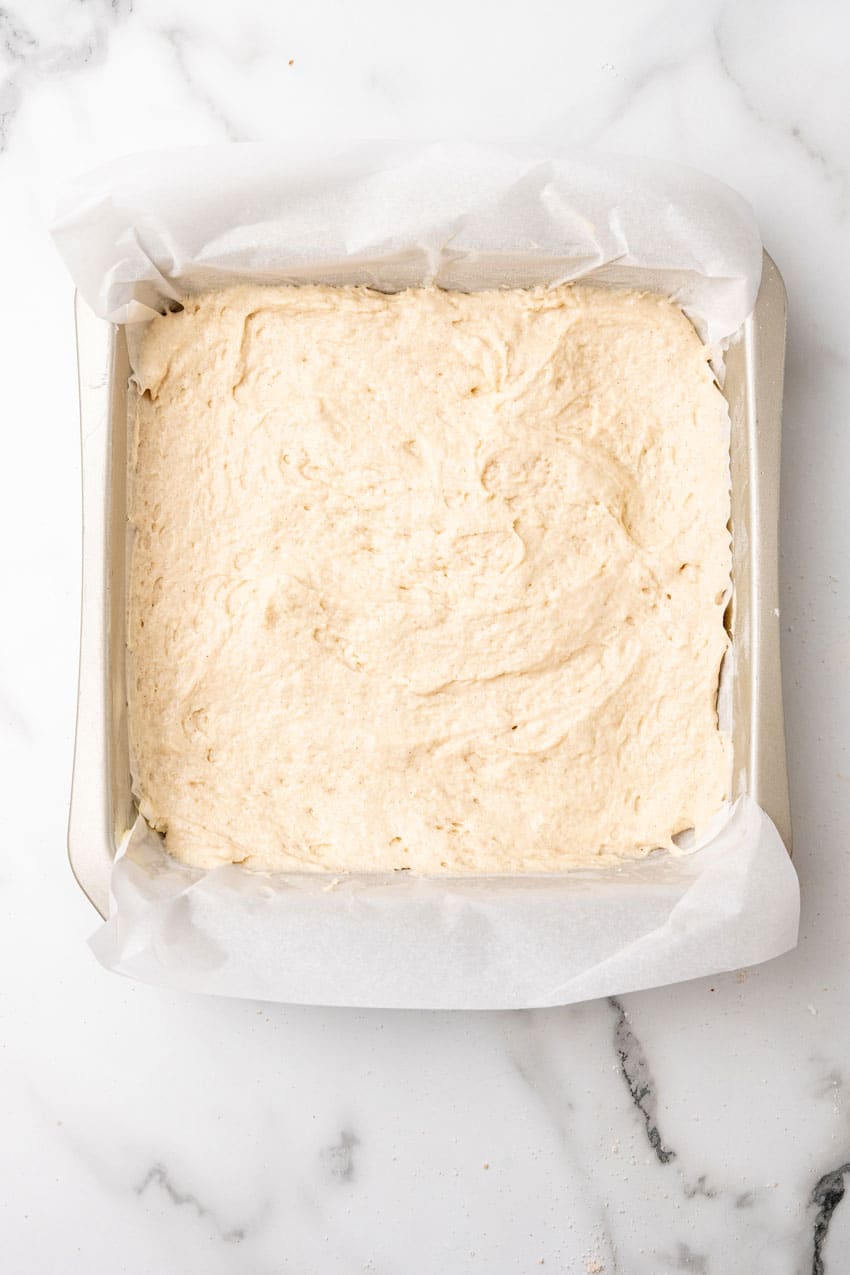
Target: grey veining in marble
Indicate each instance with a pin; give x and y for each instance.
(157, 1178)
(639, 1082)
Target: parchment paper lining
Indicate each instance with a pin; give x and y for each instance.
(148, 229)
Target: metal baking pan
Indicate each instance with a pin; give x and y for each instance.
(102, 804)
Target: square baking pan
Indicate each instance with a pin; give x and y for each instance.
(102, 804)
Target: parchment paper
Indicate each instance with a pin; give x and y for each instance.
(146, 230)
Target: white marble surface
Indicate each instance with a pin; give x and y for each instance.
(703, 1128)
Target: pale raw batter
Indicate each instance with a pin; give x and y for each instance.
(430, 581)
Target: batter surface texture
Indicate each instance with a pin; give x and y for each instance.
(430, 581)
